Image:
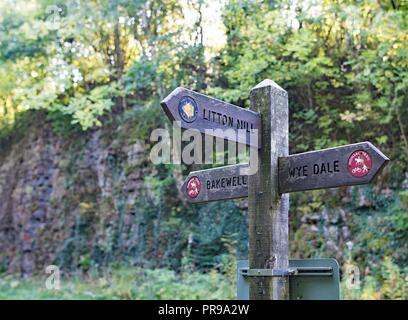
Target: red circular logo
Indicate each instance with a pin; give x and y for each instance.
(193, 187)
(359, 163)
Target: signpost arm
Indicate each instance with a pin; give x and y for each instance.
(268, 210)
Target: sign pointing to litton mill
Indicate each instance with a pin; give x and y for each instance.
(206, 114)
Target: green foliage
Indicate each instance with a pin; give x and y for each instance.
(343, 63)
(140, 122)
(380, 232)
(344, 66)
(141, 76)
(220, 227)
(55, 56)
(391, 282)
(378, 225)
(62, 124)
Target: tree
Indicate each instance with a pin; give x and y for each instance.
(342, 63)
(64, 60)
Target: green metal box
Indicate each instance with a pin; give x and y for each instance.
(315, 279)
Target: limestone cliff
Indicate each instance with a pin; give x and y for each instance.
(68, 198)
(89, 199)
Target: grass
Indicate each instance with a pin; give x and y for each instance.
(123, 283)
(139, 284)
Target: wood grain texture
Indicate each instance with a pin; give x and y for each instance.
(268, 210)
(214, 114)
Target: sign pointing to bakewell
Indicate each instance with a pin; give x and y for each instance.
(348, 165)
(194, 110)
(216, 184)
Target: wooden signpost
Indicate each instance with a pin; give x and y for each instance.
(268, 210)
(277, 174)
(192, 110)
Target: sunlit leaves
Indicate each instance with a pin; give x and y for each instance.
(79, 58)
(86, 109)
(345, 61)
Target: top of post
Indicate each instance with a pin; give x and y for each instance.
(268, 83)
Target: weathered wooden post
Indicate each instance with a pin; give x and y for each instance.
(268, 210)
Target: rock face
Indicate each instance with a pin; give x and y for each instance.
(28, 172)
(94, 198)
(60, 198)
(91, 199)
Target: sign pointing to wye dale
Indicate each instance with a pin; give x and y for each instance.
(197, 111)
(216, 184)
(348, 165)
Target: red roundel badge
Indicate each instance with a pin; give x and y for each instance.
(193, 187)
(359, 163)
